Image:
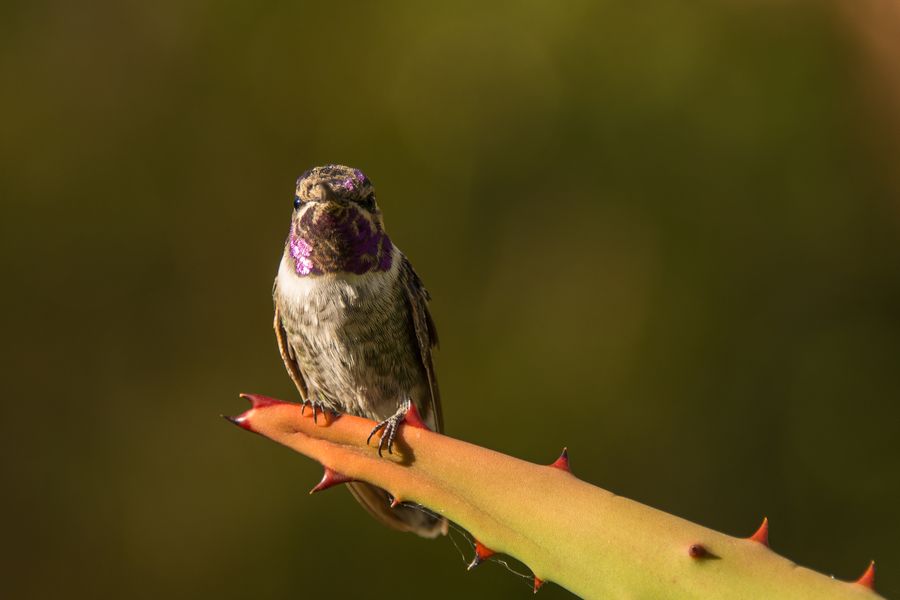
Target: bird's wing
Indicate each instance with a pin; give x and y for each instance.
(426, 336)
(287, 353)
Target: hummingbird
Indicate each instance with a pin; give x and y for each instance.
(352, 322)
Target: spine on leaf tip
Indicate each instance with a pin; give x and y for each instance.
(762, 534)
(330, 479)
(482, 553)
(562, 463)
(257, 401)
(699, 552)
(867, 579)
(413, 418)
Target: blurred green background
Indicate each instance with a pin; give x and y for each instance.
(665, 236)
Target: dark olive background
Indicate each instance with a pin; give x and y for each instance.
(664, 236)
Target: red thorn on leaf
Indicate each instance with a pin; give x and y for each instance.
(698, 551)
(258, 401)
(331, 478)
(537, 584)
(868, 578)
(482, 552)
(240, 421)
(413, 418)
(562, 463)
(762, 534)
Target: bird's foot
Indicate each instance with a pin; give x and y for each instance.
(317, 407)
(390, 427)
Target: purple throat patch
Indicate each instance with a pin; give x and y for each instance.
(348, 243)
(301, 251)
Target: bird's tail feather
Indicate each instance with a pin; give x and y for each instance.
(402, 518)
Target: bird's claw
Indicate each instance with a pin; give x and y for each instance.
(390, 426)
(316, 407)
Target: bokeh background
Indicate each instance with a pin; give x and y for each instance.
(663, 235)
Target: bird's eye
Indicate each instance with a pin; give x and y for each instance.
(368, 202)
(297, 202)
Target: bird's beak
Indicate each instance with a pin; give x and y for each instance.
(327, 195)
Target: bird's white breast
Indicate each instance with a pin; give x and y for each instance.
(339, 290)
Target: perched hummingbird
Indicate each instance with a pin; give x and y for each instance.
(352, 322)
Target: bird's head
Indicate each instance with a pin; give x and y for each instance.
(336, 224)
